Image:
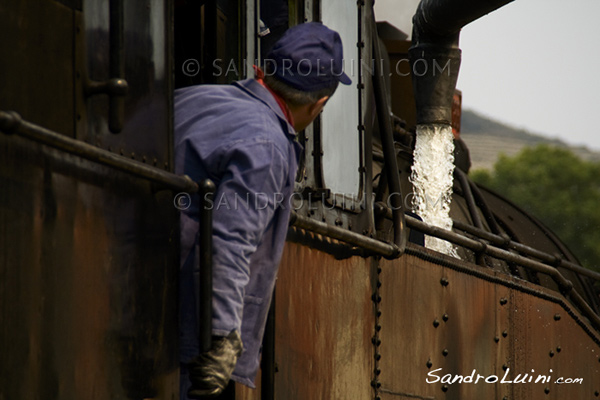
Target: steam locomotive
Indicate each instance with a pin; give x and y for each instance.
(89, 210)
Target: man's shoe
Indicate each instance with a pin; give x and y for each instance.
(210, 372)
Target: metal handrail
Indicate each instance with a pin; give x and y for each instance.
(524, 249)
(11, 123)
(388, 250)
(207, 191)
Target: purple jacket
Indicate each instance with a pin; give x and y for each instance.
(237, 136)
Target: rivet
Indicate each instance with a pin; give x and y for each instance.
(596, 393)
(504, 367)
(551, 353)
(558, 349)
(379, 270)
(338, 221)
(444, 388)
(505, 333)
(377, 327)
(505, 398)
(377, 371)
(378, 284)
(444, 282)
(503, 301)
(429, 363)
(547, 390)
(133, 155)
(445, 317)
(557, 317)
(436, 323)
(445, 352)
(377, 356)
(378, 314)
(496, 339)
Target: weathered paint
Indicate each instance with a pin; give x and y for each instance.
(432, 316)
(324, 325)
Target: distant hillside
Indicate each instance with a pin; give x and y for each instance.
(487, 139)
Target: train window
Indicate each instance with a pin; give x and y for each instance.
(340, 119)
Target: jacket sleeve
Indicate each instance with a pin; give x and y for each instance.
(244, 205)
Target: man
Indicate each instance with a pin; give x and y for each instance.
(242, 136)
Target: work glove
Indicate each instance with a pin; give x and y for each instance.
(210, 372)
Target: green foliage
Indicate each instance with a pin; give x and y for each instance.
(557, 187)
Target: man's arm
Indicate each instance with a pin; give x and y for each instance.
(243, 208)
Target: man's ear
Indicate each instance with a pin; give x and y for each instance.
(316, 107)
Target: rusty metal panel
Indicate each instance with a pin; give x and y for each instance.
(409, 340)
(324, 325)
(471, 320)
(88, 279)
(549, 340)
(88, 256)
(435, 321)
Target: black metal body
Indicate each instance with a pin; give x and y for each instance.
(89, 227)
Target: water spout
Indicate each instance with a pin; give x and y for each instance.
(432, 181)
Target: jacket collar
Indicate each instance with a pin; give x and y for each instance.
(258, 91)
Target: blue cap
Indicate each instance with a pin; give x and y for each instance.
(308, 57)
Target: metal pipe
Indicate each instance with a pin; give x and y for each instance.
(502, 241)
(505, 242)
(373, 245)
(207, 190)
(461, 177)
(436, 27)
(389, 153)
(487, 213)
(11, 123)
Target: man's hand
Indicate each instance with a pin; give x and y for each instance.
(210, 372)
